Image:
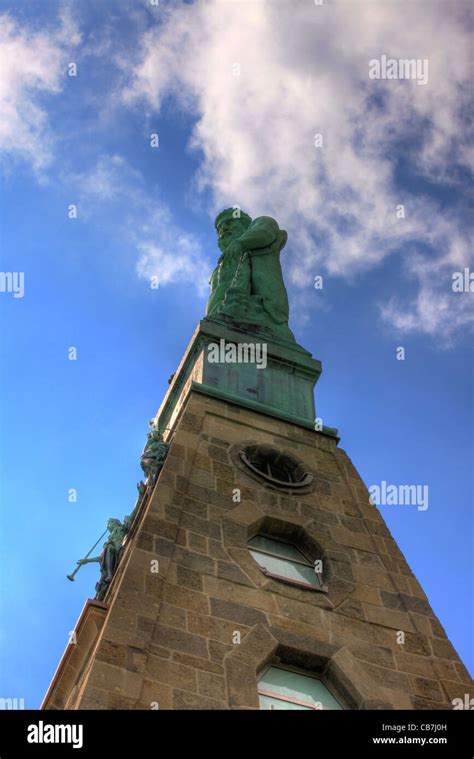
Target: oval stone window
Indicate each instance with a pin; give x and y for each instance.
(276, 467)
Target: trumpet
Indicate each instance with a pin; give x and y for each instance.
(73, 574)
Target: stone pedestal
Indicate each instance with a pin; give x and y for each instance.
(252, 370)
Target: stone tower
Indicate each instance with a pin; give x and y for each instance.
(256, 572)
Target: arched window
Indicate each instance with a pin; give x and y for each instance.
(285, 561)
(284, 688)
(278, 468)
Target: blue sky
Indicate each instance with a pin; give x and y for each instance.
(228, 134)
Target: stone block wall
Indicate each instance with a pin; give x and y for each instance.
(192, 619)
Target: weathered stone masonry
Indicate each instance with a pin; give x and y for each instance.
(166, 640)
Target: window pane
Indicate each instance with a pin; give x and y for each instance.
(300, 688)
(286, 568)
(276, 546)
(267, 702)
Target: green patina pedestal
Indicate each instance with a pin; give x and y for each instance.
(284, 388)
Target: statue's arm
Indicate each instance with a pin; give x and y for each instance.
(128, 519)
(89, 561)
(261, 233)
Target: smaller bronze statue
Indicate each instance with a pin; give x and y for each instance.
(151, 461)
(153, 454)
(110, 556)
(112, 549)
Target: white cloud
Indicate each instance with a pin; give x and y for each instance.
(32, 64)
(176, 258)
(164, 250)
(439, 310)
(112, 180)
(304, 70)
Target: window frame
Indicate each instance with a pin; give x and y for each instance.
(304, 673)
(306, 479)
(290, 581)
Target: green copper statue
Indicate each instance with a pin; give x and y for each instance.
(153, 454)
(151, 461)
(247, 284)
(110, 556)
(113, 547)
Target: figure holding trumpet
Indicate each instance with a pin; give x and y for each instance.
(112, 549)
(151, 461)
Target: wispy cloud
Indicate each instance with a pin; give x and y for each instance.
(437, 307)
(33, 64)
(263, 79)
(163, 250)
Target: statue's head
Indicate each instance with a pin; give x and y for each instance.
(154, 433)
(230, 224)
(111, 523)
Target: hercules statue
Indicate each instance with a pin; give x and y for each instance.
(247, 284)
